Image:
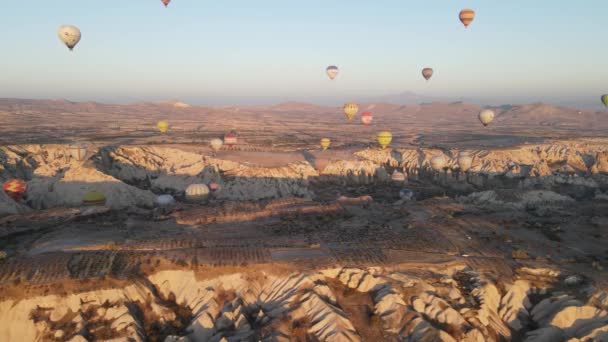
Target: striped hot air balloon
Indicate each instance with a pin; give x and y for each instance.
(384, 138)
(427, 73)
(197, 192)
(325, 142)
(466, 16)
(231, 139)
(350, 110)
(15, 188)
(94, 198)
(367, 118)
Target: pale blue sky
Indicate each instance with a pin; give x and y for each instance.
(239, 51)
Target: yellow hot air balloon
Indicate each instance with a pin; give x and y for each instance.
(605, 100)
(466, 16)
(94, 198)
(163, 126)
(350, 110)
(384, 138)
(325, 143)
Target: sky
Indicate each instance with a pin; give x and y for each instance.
(269, 51)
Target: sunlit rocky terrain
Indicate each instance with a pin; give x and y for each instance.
(302, 244)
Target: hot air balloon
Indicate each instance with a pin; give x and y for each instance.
(165, 2)
(78, 151)
(94, 198)
(466, 16)
(486, 116)
(69, 35)
(231, 139)
(427, 73)
(350, 110)
(332, 71)
(214, 187)
(163, 126)
(384, 138)
(165, 200)
(367, 118)
(197, 192)
(464, 161)
(216, 144)
(15, 188)
(605, 100)
(325, 142)
(438, 162)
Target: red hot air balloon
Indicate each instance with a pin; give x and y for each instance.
(367, 118)
(15, 188)
(230, 139)
(165, 2)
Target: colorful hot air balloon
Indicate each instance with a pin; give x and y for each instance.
(216, 144)
(464, 161)
(163, 126)
(94, 198)
(486, 116)
(367, 118)
(384, 138)
(325, 142)
(230, 139)
(427, 73)
(197, 192)
(69, 35)
(466, 16)
(350, 110)
(165, 2)
(605, 100)
(332, 71)
(15, 188)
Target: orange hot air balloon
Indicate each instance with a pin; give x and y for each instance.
(427, 73)
(15, 188)
(165, 2)
(367, 118)
(466, 16)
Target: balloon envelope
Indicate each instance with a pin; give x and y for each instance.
(384, 138)
(164, 200)
(94, 198)
(466, 16)
(367, 118)
(438, 163)
(197, 192)
(486, 116)
(216, 144)
(231, 139)
(350, 110)
(69, 35)
(325, 142)
(427, 73)
(464, 161)
(165, 2)
(605, 100)
(332, 71)
(15, 188)
(163, 126)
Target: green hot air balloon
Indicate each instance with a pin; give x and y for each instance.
(605, 100)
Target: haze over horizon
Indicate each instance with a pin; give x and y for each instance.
(269, 52)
